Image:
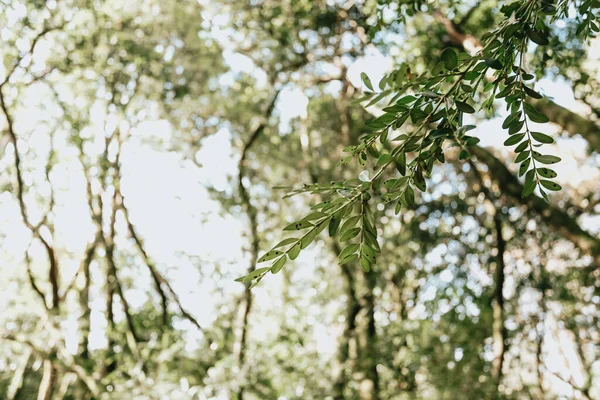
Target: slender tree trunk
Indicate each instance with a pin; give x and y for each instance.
(17, 380)
(84, 303)
(353, 308)
(110, 318)
(252, 214)
(48, 381)
(498, 329)
(369, 387)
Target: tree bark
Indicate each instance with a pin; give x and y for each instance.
(564, 224)
(369, 386)
(499, 331)
(572, 123)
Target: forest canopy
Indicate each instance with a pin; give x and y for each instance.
(277, 199)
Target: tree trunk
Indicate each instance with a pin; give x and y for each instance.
(48, 381)
(498, 329)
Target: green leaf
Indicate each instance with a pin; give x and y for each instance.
(547, 173)
(514, 139)
(334, 224)
(308, 238)
(405, 100)
(510, 119)
(529, 186)
(534, 114)
(449, 58)
(532, 93)
(383, 159)
(401, 163)
(365, 264)
(493, 63)
(254, 274)
(408, 197)
(348, 258)
(349, 234)
(538, 37)
(398, 207)
(545, 158)
(464, 155)
(285, 242)
(277, 265)
(522, 146)
(550, 185)
(362, 158)
(366, 80)
(471, 141)
(542, 137)
(419, 180)
(522, 156)
(524, 166)
(368, 252)
(294, 251)
(348, 250)
(270, 255)
(313, 216)
(296, 226)
(464, 107)
(349, 223)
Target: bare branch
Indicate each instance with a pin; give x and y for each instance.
(65, 360)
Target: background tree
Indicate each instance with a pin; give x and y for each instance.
(142, 148)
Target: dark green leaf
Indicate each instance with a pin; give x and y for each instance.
(532, 93)
(522, 156)
(524, 166)
(510, 119)
(522, 146)
(545, 158)
(334, 224)
(550, 185)
(538, 37)
(529, 186)
(464, 107)
(534, 114)
(542, 137)
(493, 63)
(515, 126)
(449, 58)
(547, 173)
(514, 139)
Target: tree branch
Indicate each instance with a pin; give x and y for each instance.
(563, 223)
(252, 214)
(65, 360)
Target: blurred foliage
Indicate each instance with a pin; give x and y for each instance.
(475, 292)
